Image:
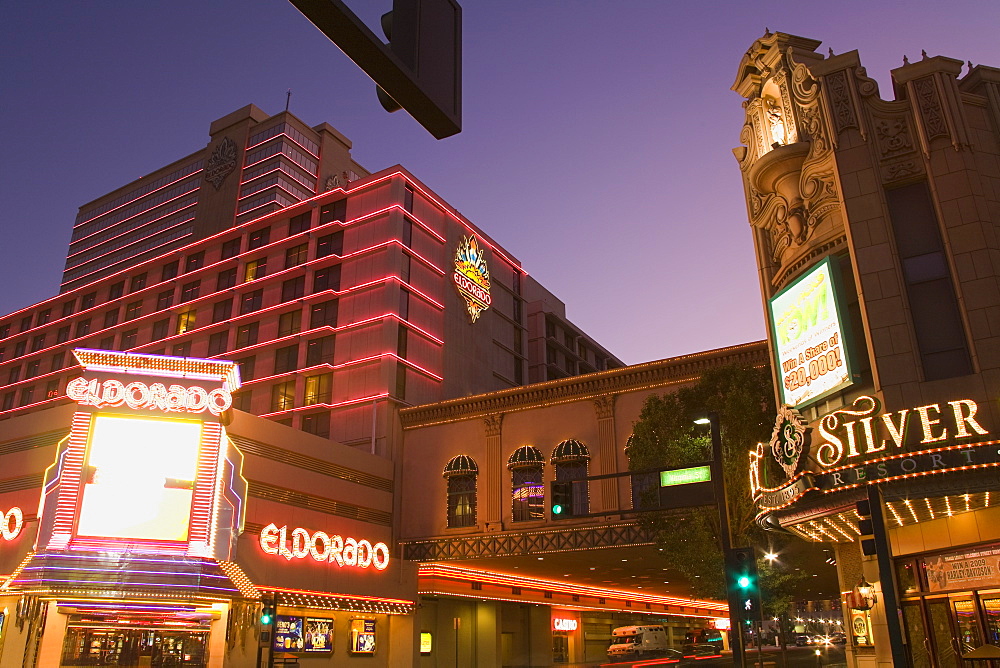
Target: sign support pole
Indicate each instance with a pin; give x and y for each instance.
(887, 579)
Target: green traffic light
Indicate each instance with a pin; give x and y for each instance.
(265, 619)
(743, 582)
(557, 509)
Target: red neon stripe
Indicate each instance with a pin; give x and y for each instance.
(349, 402)
(145, 211)
(137, 198)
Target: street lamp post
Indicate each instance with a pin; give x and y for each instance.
(722, 504)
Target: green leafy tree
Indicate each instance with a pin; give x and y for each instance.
(665, 435)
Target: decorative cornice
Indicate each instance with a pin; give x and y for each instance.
(605, 406)
(493, 424)
(644, 376)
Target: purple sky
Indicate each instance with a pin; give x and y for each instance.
(596, 144)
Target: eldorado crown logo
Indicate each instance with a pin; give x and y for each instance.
(472, 276)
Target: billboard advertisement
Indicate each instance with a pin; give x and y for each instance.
(810, 332)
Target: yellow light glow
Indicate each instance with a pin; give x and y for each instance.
(141, 478)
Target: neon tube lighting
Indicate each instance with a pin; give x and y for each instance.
(166, 243)
(349, 402)
(282, 134)
(321, 594)
(277, 168)
(133, 229)
(136, 199)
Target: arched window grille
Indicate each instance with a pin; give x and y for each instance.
(571, 459)
(527, 489)
(461, 473)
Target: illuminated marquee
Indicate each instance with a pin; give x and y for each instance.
(11, 523)
(809, 336)
(323, 547)
(560, 624)
(472, 276)
(155, 396)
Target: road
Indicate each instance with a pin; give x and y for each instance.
(797, 657)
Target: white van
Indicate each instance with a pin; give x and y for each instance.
(637, 642)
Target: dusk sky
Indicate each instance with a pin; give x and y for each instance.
(596, 145)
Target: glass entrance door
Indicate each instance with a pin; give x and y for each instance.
(969, 634)
(919, 643)
(941, 635)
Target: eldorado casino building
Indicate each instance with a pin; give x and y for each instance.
(875, 224)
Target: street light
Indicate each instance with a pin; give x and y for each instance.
(771, 556)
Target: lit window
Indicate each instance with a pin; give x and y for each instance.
(185, 321)
(319, 389)
(283, 396)
(255, 269)
(296, 255)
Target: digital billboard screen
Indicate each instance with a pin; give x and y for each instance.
(810, 336)
(139, 478)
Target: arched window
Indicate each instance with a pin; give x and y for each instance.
(572, 459)
(527, 489)
(461, 474)
(644, 486)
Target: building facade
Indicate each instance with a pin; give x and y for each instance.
(146, 523)
(875, 224)
(530, 588)
(339, 306)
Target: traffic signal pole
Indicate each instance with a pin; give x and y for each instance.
(719, 484)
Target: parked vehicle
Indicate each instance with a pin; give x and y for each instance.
(802, 640)
(638, 642)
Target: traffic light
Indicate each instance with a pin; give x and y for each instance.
(562, 499)
(865, 527)
(743, 582)
(267, 614)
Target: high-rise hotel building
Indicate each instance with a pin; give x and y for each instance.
(343, 294)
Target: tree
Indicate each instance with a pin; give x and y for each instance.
(665, 435)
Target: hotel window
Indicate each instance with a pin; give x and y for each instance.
(404, 304)
(20, 346)
(527, 489)
(930, 291)
(404, 270)
(330, 244)
(138, 282)
(26, 395)
(194, 261)
(408, 198)
(57, 361)
(67, 309)
(169, 271)
(37, 343)
(107, 343)
(300, 223)
(461, 473)
(52, 389)
(400, 381)
(129, 338)
(401, 340)
(43, 317)
(26, 323)
(323, 314)
(182, 349)
(246, 367)
(218, 343)
(83, 328)
(283, 396)
(226, 279)
(255, 269)
(319, 389)
(246, 335)
(231, 248)
(319, 351)
(185, 321)
(165, 299)
(160, 328)
(550, 329)
(133, 310)
(190, 291)
(88, 301)
(241, 399)
(317, 424)
(116, 290)
(333, 211)
(296, 255)
(289, 323)
(2, 354)
(251, 301)
(8, 401)
(327, 278)
(31, 370)
(222, 310)
(5, 330)
(407, 232)
(571, 459)
(110, 318)
(259, 238)
(293, 288)
(14, 374)
(286, 359)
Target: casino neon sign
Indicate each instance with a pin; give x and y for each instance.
(11, 523)
(562, 624)
(155, 396)
(323, 547)
(472, 276)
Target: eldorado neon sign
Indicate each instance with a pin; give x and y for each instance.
(323, 547)
(11, 523)
(136, 395)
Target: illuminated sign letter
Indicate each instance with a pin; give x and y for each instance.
(11, 523)
(269, 539)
